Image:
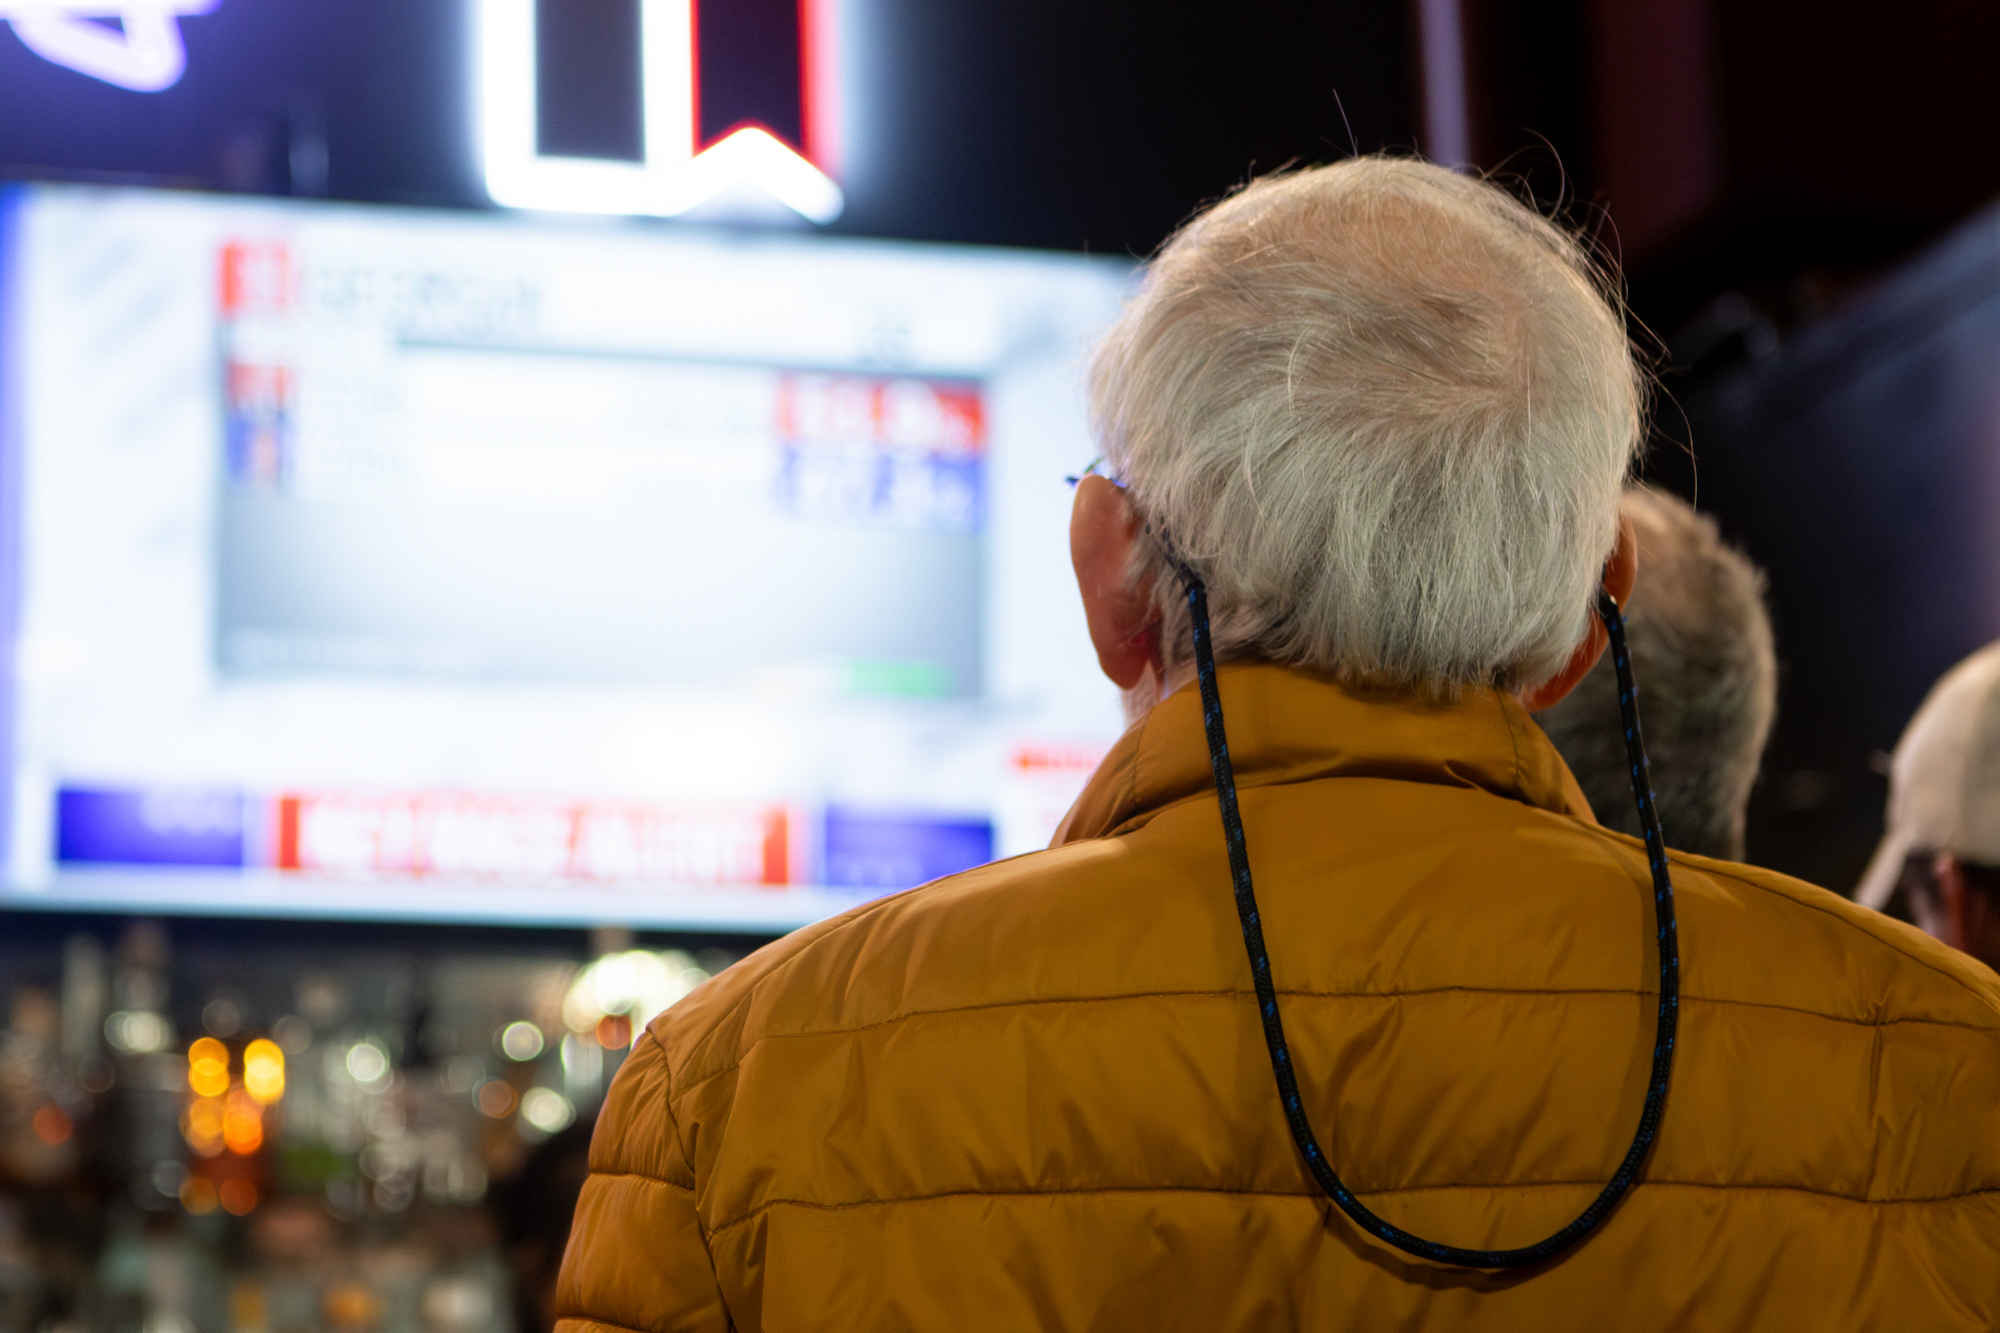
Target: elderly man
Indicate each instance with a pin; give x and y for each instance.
(1942, 847)
(1701, 645)
(1365, 430)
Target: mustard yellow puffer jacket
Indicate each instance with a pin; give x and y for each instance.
(1036, 1096)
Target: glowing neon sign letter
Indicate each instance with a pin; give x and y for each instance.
(144, 53)
(673, 177)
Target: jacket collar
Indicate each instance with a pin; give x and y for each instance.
(1287, 725)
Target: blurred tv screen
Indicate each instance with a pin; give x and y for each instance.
(390, 563)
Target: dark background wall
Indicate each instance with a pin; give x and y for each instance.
(1773, 170)
(1776, 147)
(1102, 125)
(371, 93)
(1759, 165)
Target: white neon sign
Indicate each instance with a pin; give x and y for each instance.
(143, 53)
(673, 177)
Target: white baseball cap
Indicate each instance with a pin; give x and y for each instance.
(1944, 782)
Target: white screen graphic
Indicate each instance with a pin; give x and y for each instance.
(391, 563)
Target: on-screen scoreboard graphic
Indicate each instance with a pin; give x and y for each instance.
(385, 563)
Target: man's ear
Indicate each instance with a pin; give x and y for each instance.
(1103, 528)
(1621, 572)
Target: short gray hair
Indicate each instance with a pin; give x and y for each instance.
(1707, 673)
(1383, 410)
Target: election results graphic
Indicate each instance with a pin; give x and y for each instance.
(393, 563)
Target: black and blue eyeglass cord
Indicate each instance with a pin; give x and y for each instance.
(1267, 994)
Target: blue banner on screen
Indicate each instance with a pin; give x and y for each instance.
(897, 852)
(167, 826)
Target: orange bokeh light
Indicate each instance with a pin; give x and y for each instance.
(202, 1126)
(198, 1195)
(614, 1032)
(264, 1070)
(242, 1123)
(496, 1098)
(351, 1306)
(238, 1196)
(208, 1067)
(51, 1125)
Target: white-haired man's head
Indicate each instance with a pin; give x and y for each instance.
(1384, 411)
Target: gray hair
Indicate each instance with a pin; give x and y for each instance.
(1384, 411)
(1707, 673)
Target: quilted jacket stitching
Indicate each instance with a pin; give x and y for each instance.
(1318, 1200)
(688, 1085)
(1627, 840)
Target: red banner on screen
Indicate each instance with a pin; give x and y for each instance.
(456, 835)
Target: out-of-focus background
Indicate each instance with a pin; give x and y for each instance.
(508, 505)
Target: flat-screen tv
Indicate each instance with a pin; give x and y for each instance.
(389, 563)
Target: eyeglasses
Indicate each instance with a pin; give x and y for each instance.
(1090, 470)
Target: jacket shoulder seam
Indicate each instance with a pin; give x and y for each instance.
(1679, 858)
(1315, 1198)
(648, 1177)
(592, 1321)
(1876, 1024)
(721, 1020)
